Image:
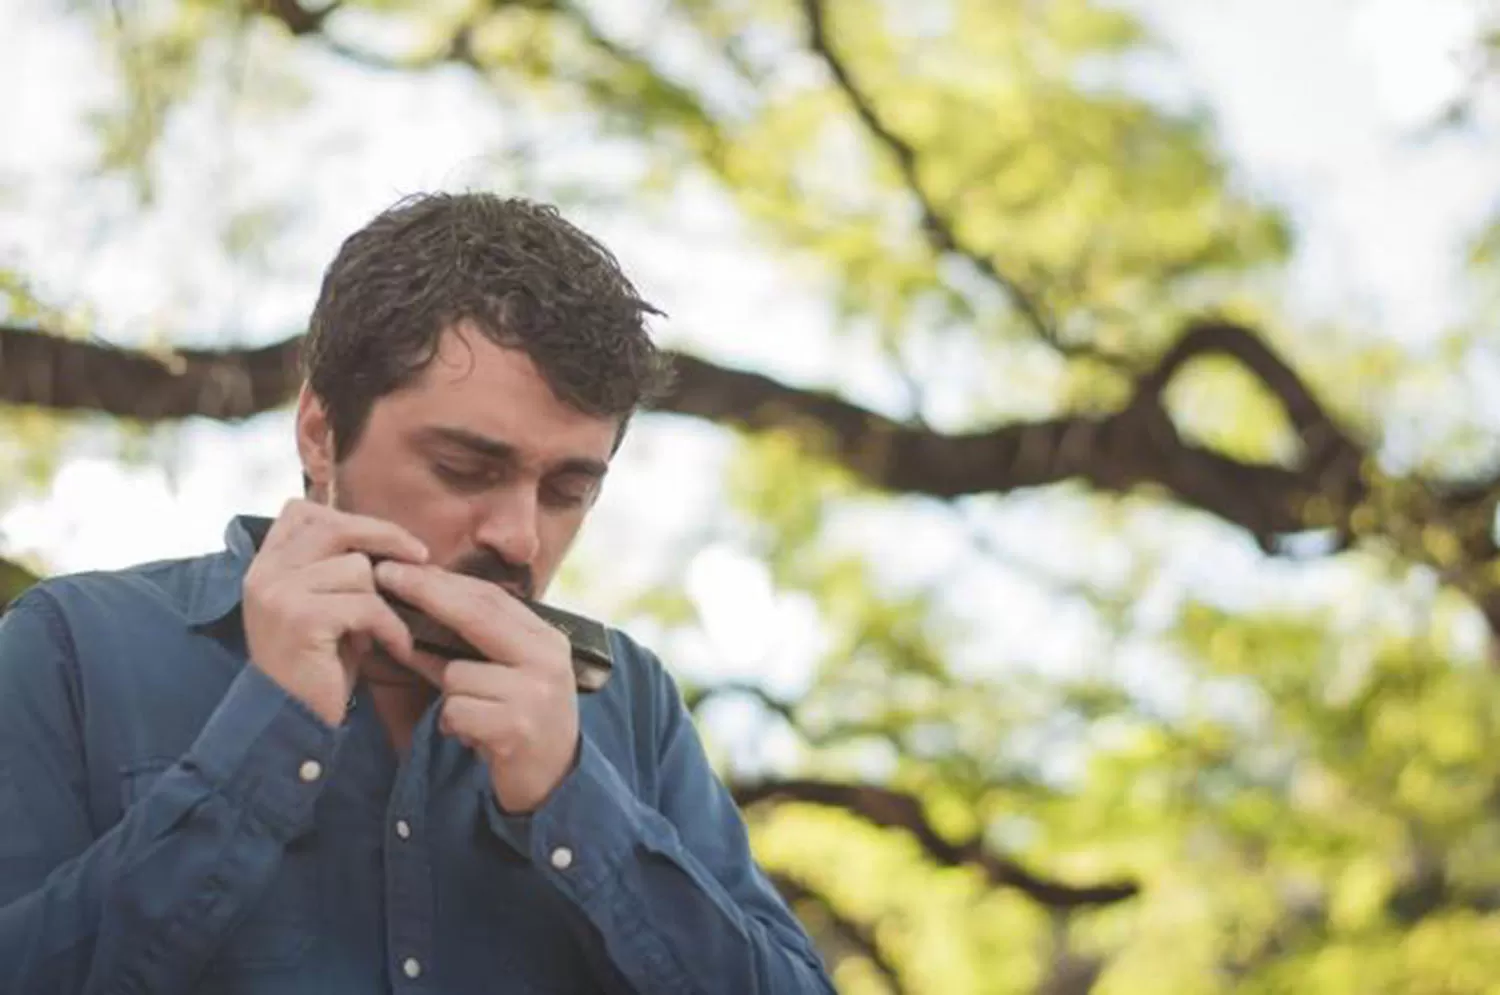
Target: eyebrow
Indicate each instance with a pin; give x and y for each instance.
(504, 452)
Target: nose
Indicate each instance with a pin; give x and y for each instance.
(509, 525)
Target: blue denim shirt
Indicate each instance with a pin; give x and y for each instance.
(174, 822)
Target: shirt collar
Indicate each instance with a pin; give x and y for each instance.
(218, 594)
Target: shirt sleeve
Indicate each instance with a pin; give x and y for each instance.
(142, 906)
(673, 890)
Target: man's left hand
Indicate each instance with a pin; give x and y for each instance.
(519, 709)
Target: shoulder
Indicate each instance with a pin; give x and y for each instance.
(76, 615)
(126, 656)
(182, 586)
(636, 713)
(640, 672)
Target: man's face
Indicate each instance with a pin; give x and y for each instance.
(477, 458)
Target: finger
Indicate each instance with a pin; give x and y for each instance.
(493, 681)
(495, 727)
(490, 617)
(347, 573)
(369, 615)
(306, 532)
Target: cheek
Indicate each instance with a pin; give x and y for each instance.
(557, 535)
(445, 522)
(404, 492)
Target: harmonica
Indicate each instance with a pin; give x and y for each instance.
(593, 661)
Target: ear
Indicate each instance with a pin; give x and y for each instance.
(314, 440)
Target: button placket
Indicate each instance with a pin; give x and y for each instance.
(408, 868)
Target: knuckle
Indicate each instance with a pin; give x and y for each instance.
(557, 688)
(454, 676)
(505, 742)
(299, 510)
(363, 568)
(486, 598)
(461, 714)
(253, 586)
(261, 592)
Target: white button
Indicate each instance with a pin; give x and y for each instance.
(562, 858)
(402, 829)
(411, 967)
(310, 770)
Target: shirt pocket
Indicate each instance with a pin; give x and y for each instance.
(281, 924)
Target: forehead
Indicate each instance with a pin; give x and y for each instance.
(486, 389)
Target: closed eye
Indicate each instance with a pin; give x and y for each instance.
(572, 491)
(464, 478)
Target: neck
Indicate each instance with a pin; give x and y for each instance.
(400, 697)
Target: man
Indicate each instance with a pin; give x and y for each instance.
(237, 773)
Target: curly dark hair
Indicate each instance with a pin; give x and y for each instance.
(525, 276)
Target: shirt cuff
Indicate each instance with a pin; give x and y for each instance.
(585, 827)
(267, 751)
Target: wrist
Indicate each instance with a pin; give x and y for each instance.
(521, 800)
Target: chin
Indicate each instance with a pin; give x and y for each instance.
(384, 668)
(428, 666)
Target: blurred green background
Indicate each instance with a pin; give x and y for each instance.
(1075, 526)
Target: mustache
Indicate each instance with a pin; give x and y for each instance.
(488, 566)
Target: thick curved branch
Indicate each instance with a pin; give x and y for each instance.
(1136, 447)
(1114, 453)
(1321, 437)
(67, 374)
(856, 935)
(894, 810)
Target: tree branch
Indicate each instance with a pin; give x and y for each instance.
(894, 810)
(68, 374)
(1117, 453)
(696, 698)
(857, 935)
(938, 228)
(458, 48)
(298, 19)
(1137, 446)
(1323, 441)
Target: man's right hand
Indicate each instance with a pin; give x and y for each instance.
(310, 601)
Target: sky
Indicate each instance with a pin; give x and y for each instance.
(1323, 101)
(1319, 102)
